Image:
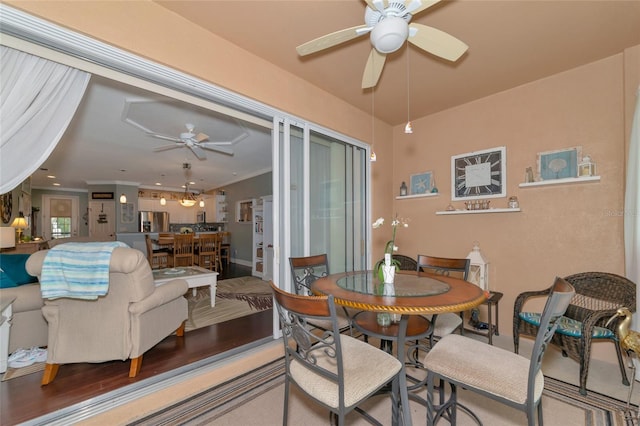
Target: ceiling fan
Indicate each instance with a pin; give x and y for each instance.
(195, 142)
(389, 29)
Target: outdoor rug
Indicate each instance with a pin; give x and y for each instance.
(256, 398)
(235, 298)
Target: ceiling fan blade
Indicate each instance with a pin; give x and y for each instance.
(437, 42)
(416, 6)
(168, 147)
(375, 5)
(167, 138)
(201, 137)
(217, 149)
(373, 69)
(330, 40)
(214, 144)
(198, 152)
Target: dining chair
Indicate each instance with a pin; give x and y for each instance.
(225, 247)
(444, 324)
(337, 371)
(494, 372)
(182, 253)
(158, 258)
(206, 252)
(304, 271)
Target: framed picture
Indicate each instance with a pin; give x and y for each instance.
(479, 174)
(102, 195)
(126, 213)
(559, 164)
(6, 206)
(421, 183)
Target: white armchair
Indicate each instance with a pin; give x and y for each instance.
(134, 316)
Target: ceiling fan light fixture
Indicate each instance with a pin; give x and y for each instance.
(389, 34)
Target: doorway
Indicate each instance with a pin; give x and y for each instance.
(60, 216)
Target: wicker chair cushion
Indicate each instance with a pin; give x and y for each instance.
(568, 326)
(491, 369)
(360, 379)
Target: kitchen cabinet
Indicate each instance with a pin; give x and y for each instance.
(216, 208)
(181, 214)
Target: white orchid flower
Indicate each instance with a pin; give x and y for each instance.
(378, 223)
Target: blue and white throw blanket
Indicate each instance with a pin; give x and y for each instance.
(77, 270)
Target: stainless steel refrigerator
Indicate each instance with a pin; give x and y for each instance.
(153, 222)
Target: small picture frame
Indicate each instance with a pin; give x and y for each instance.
(421, 183)
(559, 164)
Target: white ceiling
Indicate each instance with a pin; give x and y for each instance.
(510, 43)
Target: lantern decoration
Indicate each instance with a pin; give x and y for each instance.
(478, 268)
(586, 167)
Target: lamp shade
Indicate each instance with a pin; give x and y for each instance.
(123, 199)
(19, 223)
(7, 237)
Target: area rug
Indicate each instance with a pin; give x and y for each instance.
(235, 298)
(12, 373)
(256, 398)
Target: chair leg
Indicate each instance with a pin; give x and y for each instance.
(136, 365)
(180, 330)
(50, 371)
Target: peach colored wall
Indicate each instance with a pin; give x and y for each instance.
(561, 229)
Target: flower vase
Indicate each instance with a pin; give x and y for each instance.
(388, 289)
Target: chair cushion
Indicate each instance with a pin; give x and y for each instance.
(13, 265)
(568, 326)
(366, 369)
(445, 324)
(476, 364)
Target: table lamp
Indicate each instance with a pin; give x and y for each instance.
(7, 237)
(19, 223)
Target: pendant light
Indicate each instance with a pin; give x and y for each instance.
(123, 199)
(188, 199)
(373, 156)
(163, 200)
(408, 128)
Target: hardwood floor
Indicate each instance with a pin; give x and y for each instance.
(23, 398)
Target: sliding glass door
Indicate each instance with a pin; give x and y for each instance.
(323, 198)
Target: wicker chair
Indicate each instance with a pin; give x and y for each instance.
(598, 296)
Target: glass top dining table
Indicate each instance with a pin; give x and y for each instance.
(413, 293)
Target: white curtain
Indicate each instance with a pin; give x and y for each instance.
(632, 213)
(38, 98)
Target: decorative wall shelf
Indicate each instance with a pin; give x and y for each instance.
(428, 194)
(565, 181)
(508, 210)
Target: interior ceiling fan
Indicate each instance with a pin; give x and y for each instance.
(195, 142)
(389, 29)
